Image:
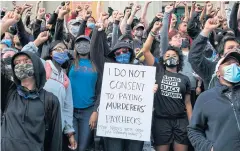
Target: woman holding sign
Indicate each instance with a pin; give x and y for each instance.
(172, 104)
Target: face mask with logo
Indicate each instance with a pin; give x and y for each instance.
(91, 25)
(185, 43)
(232, 73)
(170, 62)
(82, 47)
(123, 58)
(23, 71)
(60, 57)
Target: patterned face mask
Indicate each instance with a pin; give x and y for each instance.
(23, 71)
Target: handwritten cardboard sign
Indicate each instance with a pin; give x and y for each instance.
(126, 102)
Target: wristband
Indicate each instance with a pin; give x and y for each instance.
(153, 34)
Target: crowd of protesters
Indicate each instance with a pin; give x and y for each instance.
(52, 69)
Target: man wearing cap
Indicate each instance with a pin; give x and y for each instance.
(215, 122)
(203, 67)
(138, 31)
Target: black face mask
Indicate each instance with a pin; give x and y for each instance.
(6, 68)
(185, 43)
(170, 62)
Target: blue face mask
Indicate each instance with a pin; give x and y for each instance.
(123, 58)
(91, 25)
(8, 42)
(60, 57)
(232, 73)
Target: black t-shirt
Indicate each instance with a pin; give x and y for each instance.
(169, 100)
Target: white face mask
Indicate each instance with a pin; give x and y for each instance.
(74, 30)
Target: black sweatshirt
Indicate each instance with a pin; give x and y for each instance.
(215, 120)
(233, 22)
(203, 67)
(23, 128)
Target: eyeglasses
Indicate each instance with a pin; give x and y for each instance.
(59, 49)
(120, 51)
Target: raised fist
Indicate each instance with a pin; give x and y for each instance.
(169, 9)
(157, 26)
(11, 18)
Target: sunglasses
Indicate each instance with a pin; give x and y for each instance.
(120, 51)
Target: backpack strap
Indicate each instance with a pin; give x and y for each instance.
(47, 118)
(48, 67)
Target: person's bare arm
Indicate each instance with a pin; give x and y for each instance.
(144, 14)
(123, 23)
(192, 8)
(37, 8)
(201, 18)
(188, 105)
(222, 9)
(135, 10)
(186, 13)
(98, 9)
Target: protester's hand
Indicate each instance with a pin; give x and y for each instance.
(104, 16)
(209, 8)
(185, 3)
(101, 23)
(14, 3)
(4, 9)
(169, 8)
(58, 8)
(41, 13)
(156, 27)
(198, 91)
(198, 9)
(210, 25)
(24, 7)
(86, 7)
(155, 88)
(93, 120)
(177, 4)
(131, 5)
(42, 37)
(87, 14)
(10, 18)
(159, 15)
(73, 143)
(137, 8)
(193, 3)
(119, 16)
(62, 11)
(18, 9)
(28, 12)
(67, 3)
(148, 2)
(79, 8)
